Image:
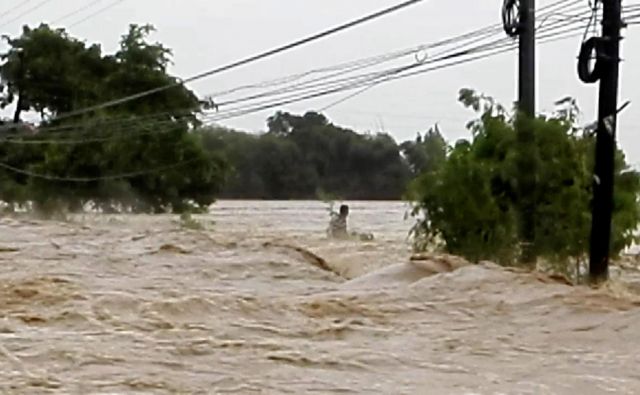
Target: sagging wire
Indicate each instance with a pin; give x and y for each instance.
(594, 6)
(573, 10)
(350, 83)
(121, 176)
(395, 75)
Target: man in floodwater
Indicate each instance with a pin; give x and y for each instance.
(338, 226)
(338, 223)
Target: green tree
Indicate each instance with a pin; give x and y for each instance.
(56, 74)
(47, 71)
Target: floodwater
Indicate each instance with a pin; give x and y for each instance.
(260, 302)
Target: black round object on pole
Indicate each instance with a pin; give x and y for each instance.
(511, 17)
(590, 72)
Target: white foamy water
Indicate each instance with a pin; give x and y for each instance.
(260, 302)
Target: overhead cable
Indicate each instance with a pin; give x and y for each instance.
(251, 59)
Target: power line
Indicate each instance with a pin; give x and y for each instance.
(319, 81)
(389, 75)
(344, 67)
(567, 32)
(395, 75)
(77, 141)
(374, 60)
(269, 105)
(631, 19)
(307, 85)
(248, 60)
(341, 83)
(15, 8)
(346, 98)
(476, 34)
(25, 13)
(121, 176)
(549, 35)
(367, 62)
(341, 68)
(347, 66)
(361, 63)
(110, 138)
(77, 11)
(123, 123)
(98, 12)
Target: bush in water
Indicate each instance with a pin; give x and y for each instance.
(469, 204)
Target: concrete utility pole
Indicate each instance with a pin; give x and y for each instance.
(525, 131)
(519, 21)
(527, 61)
(608, 64)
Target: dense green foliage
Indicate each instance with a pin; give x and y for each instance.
(48, 72)
(470, 202)
(303, 157)
(426, 153)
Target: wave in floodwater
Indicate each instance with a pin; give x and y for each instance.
(260, 302)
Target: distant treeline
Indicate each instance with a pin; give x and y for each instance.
(307, 157)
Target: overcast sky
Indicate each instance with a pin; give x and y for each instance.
(205, 33)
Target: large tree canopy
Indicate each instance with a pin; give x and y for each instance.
(51, 73)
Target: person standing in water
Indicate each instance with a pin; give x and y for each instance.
(338, 223)
(338, 227)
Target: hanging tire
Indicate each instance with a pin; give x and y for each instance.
(587, 72)
(511, 17)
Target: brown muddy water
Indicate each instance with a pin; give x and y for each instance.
(262, 303)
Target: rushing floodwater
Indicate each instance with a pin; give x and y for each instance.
(262, 303)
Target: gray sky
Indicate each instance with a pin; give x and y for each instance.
(204, 34)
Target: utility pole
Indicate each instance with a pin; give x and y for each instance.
(525, 129)
(527, 58)
(608, 63)
(519, 21)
